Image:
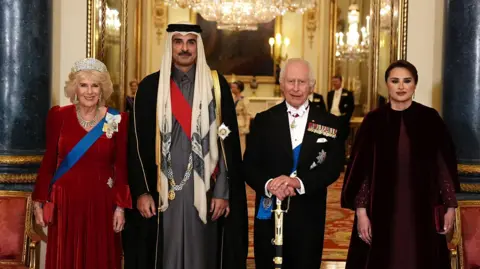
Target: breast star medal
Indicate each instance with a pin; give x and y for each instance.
(223, 131)
(321, 157)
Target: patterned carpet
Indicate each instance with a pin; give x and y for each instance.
(337, 229)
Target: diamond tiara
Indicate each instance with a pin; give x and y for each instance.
(89, 64)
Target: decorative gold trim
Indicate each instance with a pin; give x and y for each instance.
(468, 187)
(331, 42)
(94, 50)
(469, 168)
(124, 54)
(18, 178)
(103, 29)
(399, 30)
(7, 159)
(310, 18)
(375, 53)
(90, 26)
(404, 29)
(29, 233)
(138, 40)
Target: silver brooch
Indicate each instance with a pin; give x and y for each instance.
(321, 156)
(110, 182)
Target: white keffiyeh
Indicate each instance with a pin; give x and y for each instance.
(204, 129)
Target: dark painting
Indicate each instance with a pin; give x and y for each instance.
(243, 53)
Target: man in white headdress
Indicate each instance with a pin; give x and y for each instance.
(185, 165)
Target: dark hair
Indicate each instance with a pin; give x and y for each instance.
(338, 77)
(402, 64)
(240, 85)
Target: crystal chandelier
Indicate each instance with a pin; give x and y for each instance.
(353, 45)
(238, 15)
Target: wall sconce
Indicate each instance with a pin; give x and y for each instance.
(277, 47)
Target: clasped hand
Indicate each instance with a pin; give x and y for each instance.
(146, 206)
(283, 186)
(219, 207)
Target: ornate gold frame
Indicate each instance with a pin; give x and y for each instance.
(457, 240)
(30, 237)
(247, 79)
(398, 44)
(7, 159)
(96, 39)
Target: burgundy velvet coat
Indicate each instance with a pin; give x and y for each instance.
(82, 234)
(374, 162)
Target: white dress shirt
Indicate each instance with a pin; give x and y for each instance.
(297, 120)
(336, 102)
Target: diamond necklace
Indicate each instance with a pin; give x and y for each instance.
(87, 124)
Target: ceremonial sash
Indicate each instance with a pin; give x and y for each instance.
(181, 110)
(266, 204)
(80, 148)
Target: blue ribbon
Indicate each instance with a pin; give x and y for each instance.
(266, 204)
(80, 148)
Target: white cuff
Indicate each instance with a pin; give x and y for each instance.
(301, 190)
(267, 193)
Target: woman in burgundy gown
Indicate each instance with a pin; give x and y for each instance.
(401, 181)
(90, 196)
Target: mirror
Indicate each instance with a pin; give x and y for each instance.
(367, 36)
(106, 39)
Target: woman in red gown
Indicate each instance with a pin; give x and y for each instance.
(90, 197)
(401, 181)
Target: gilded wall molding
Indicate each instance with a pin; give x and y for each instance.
(311, 22)
(90, 24)
(12, 160)
(18, 178)
(404, 28)
(159, 18)
(331, 41)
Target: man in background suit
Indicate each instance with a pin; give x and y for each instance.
(316, 99)
(341, 104)
(294, 153)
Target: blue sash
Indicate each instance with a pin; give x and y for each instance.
(80, 148)
(266, 204)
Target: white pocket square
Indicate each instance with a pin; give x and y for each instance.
(322, 140)
(314, 164)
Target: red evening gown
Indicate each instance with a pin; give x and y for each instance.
(82, 234)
